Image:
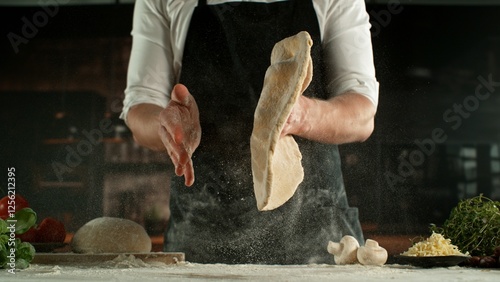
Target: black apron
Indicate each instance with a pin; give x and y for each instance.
(227, 52)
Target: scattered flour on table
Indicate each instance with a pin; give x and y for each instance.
(130, 261)
(46, 270)
(128, 269)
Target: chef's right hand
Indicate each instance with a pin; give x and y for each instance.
(180, 131)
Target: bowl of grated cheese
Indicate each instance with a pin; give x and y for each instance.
(435, 251)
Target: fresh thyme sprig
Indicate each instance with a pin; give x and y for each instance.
(473, 226)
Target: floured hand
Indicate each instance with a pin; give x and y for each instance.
(180, 131)
(297, 122)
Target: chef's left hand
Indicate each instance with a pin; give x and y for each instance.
(180, 131)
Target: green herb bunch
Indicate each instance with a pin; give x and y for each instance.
(473, 226)
(23, 252)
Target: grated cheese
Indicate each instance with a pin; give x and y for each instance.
(435, 245)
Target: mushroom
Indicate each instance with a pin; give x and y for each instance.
(371, 253)
(345, 251)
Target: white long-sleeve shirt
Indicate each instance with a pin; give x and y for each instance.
(160, 28)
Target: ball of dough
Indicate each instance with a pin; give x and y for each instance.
(111, 235)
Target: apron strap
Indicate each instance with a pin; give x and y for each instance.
(202, 3)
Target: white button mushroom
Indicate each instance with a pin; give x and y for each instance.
(345, 251)
(372, 254)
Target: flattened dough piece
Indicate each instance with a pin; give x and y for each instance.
(111, 235)
(276, 162)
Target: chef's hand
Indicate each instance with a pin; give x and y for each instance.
(180, 131)
(296, 123)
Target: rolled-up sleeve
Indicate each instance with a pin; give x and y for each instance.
(150, 75)
(348, 49)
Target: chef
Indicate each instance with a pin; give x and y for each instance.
(195, 75)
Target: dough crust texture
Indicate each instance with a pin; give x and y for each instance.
(111, 235)
(276, 161)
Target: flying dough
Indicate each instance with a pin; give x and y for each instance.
(276, 162)
(111, 235)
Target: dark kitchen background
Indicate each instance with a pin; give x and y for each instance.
(437, 136)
